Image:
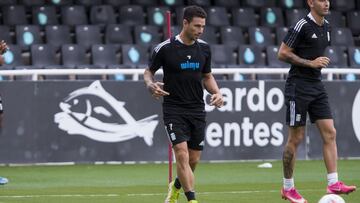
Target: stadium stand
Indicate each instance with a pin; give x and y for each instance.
(271, 17)
(217, 16)
(58, 35)
(27, 35)
(14, 15)
(88, 35)
(102, 15)
(235, 28)
(131, 15)
(244, 17)
(74, 15)
(44, 15)
(156, 15)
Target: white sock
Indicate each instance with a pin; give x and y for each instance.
(288, 183)
(332, 178)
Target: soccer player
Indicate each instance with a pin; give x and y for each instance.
(303, 47)
(3, 49)
(185, 60)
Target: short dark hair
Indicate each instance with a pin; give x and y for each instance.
(193, 11)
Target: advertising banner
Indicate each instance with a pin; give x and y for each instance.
(88, 121)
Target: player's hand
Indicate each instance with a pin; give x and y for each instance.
(3, 47)
(320, 62)
(217, 100)
(156, 89)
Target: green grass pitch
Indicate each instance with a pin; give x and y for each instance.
(146, 183)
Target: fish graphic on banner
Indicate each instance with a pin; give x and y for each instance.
(81, 116)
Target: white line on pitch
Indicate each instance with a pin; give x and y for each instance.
(60, 195)
(140, 194)
(221, 192)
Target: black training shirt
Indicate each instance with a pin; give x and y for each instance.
(309, 41)
(183, 66)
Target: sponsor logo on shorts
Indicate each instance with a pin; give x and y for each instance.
(173, 136)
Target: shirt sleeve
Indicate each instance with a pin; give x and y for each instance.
(156, 59)
(207, 66)
(295, 34)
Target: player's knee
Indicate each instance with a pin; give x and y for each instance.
(194, 160)
(330, 135)
(182, 156)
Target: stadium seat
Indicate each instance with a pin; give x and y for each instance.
(354, 57)
(14, 15)
(43, 55)
(231, 36)
(13, 57)
(30, 3)
(104, 55)
(8, 2)
(271, 17)
(175, 30)
(44, 15)
(343, 5)
(354, 22)
(131, 15)
(337, 57)
(202, 3)
(280, 34)
(58, 35)
(147, 34)
(27, 35)
(88, 35)
(272, 59)
(88, 3)
(217, 16)
(133, 56)
(172, 3)
(73, 55)
(335, 19)
(61, 2)
(209, 35)
(5, 34)
(259, 3)
(227, 3)
(179, 15)
(251, 56)
(118, 34)
(341, 37)
(291, 4)
(74, 15)
(145, 3)
(157, 15)
(222, 56)
(243, 17)
(294, 15)
(116, 3)
(102, 15)
(260, 36)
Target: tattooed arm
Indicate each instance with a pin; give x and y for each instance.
(287, 54)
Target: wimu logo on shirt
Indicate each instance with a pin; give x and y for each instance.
(190, 65)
